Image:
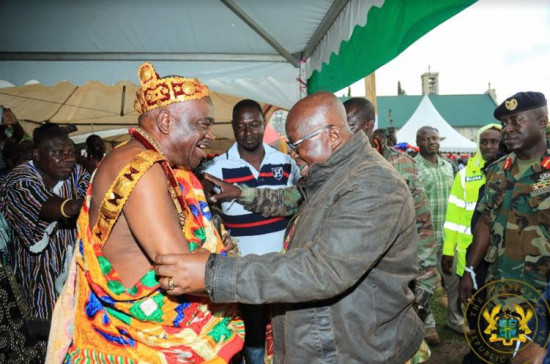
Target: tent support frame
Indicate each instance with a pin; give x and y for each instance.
(261, 32)
(331, 15)
(137, 56)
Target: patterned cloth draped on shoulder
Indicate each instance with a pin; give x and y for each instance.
(113, 308)
(128, 323)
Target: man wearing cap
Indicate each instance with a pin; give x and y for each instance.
(513, 230)
(112, 308)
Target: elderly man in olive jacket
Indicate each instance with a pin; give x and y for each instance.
(340, 289)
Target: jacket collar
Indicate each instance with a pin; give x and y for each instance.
(319, 173)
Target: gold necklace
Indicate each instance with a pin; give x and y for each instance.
(151, 140)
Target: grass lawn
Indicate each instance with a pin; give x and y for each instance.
(453, 346)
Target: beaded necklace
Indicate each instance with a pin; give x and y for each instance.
(150, 143)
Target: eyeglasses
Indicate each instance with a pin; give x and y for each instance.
(294, 146)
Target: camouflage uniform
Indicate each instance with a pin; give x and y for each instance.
(286, 201)
(519, 220)
(269, 202)
(427, 277)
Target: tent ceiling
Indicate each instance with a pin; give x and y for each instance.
(260, 49)
(205, 26)
(256, 41)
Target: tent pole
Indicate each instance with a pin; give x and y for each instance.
(123, 97)
(302, 81)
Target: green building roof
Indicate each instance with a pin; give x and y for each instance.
(457, 110)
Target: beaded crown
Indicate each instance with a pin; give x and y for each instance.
(157, 92)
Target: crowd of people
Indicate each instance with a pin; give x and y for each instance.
(327, 254)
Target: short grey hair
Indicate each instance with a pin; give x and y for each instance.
(425, 129)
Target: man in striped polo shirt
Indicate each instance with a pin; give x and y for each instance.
(251, 162)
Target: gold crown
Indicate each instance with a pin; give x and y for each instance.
(157, 92)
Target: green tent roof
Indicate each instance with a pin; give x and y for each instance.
(457, 110)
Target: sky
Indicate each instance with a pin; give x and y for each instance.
(503, 43)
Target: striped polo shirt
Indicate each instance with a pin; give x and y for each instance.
(256, 234)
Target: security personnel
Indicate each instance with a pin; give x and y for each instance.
(513, 231)
(463, 199)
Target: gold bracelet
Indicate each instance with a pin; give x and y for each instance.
(63, 208)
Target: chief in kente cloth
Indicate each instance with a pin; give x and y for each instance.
(144, 201)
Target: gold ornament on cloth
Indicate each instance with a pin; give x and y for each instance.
(157, 92)
(511, 104)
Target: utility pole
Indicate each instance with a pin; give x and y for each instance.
(370, 90)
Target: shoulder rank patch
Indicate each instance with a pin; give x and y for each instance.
(542, 186)
(507, 164)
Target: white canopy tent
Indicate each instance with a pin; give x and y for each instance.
(427, 115)
(270, 51)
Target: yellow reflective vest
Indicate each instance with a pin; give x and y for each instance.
(460, 208)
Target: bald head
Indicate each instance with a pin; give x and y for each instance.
(317, 127)
(181, 129)
(316, 111)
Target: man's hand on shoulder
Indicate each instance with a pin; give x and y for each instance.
(182, 273)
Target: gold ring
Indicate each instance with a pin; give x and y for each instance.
(170, 283)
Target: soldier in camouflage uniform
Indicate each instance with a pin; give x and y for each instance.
(406, 166)
(513, 231)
